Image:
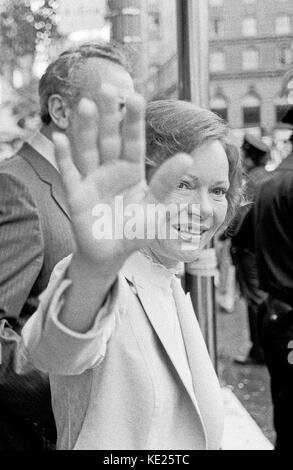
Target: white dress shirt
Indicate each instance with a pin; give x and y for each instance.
(45, 147)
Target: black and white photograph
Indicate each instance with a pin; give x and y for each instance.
(146, 228)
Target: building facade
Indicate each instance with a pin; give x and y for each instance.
(251, 46)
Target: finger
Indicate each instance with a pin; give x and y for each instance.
(116, 179)
(168, 176)
(133, 132)
(109, 128)
(69, 174)
(85, 149)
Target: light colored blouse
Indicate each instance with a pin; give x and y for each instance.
(141, 378)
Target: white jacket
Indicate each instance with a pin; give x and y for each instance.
(123, 384)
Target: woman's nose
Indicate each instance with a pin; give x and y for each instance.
(203, 204)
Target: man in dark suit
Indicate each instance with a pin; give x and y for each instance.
(274, 255)
(35, 229)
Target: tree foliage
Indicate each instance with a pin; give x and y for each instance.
(23, 24)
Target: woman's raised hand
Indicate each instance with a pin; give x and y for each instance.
(106, 159)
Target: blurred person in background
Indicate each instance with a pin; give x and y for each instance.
(35, 230)
(11, 137)
(9, 147)
(225, 282)
(254, 157)
(273, 218)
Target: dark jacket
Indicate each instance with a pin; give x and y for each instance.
(273, 216)
(242, 228)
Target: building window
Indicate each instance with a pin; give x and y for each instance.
(284, 56)
(281, 106)
(249, 26)
(282, 25)
(217, 61)
(218, 105)
(216, 28)
(250, 59)
(251, 110)
(216, 3)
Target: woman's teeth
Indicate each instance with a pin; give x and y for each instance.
(189, 235)
(187, 231)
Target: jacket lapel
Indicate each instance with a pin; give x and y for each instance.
(205, 382)
(48, 174)
(156, 313)
(156, 310)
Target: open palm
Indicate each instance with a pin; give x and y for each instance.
(106, 159)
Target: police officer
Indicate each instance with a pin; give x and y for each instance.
(273, 215)
(255, 155)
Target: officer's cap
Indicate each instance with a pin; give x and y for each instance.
(254, 147)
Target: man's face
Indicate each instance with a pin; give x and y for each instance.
(96, 73)
(102, 71)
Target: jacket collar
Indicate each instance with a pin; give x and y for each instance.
(141, 268)
(47, 173)
(41, 144)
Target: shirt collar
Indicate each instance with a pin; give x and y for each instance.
(143, 268)
(45, 147)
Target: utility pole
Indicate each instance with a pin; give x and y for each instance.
(193, 73)
(129, 27)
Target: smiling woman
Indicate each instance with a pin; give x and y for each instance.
(184, 128)
(128, 366)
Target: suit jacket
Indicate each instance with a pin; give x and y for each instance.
(122, 385)
(35, 233)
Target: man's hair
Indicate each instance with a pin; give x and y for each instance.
(174, 126)
(61, 75)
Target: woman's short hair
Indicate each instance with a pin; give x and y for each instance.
(62, 75)
(174, 126)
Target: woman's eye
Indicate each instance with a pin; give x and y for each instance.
(184, 185)
(220, 191)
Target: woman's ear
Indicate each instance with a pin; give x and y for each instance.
(59, 111)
